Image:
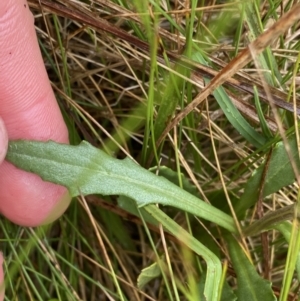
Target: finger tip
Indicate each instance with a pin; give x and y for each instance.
(27, 200)
(61, 204)
(30, 111)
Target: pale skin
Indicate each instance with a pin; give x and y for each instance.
(28, 110)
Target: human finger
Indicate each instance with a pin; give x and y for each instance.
(30, 111)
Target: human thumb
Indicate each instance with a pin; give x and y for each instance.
(3, 150)
(30, 111)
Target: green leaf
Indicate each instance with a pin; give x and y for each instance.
(172, 176)
(84, 169)
(279, 174)
(232, 113)
(214, 267)
(149, 273)
(227, 292)
(250, 286)
(237, 120)
(263, 123)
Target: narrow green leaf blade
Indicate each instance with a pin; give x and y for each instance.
(232, 113)
(263, 123)
(237, 120)
(84, 169)
(214, 267)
